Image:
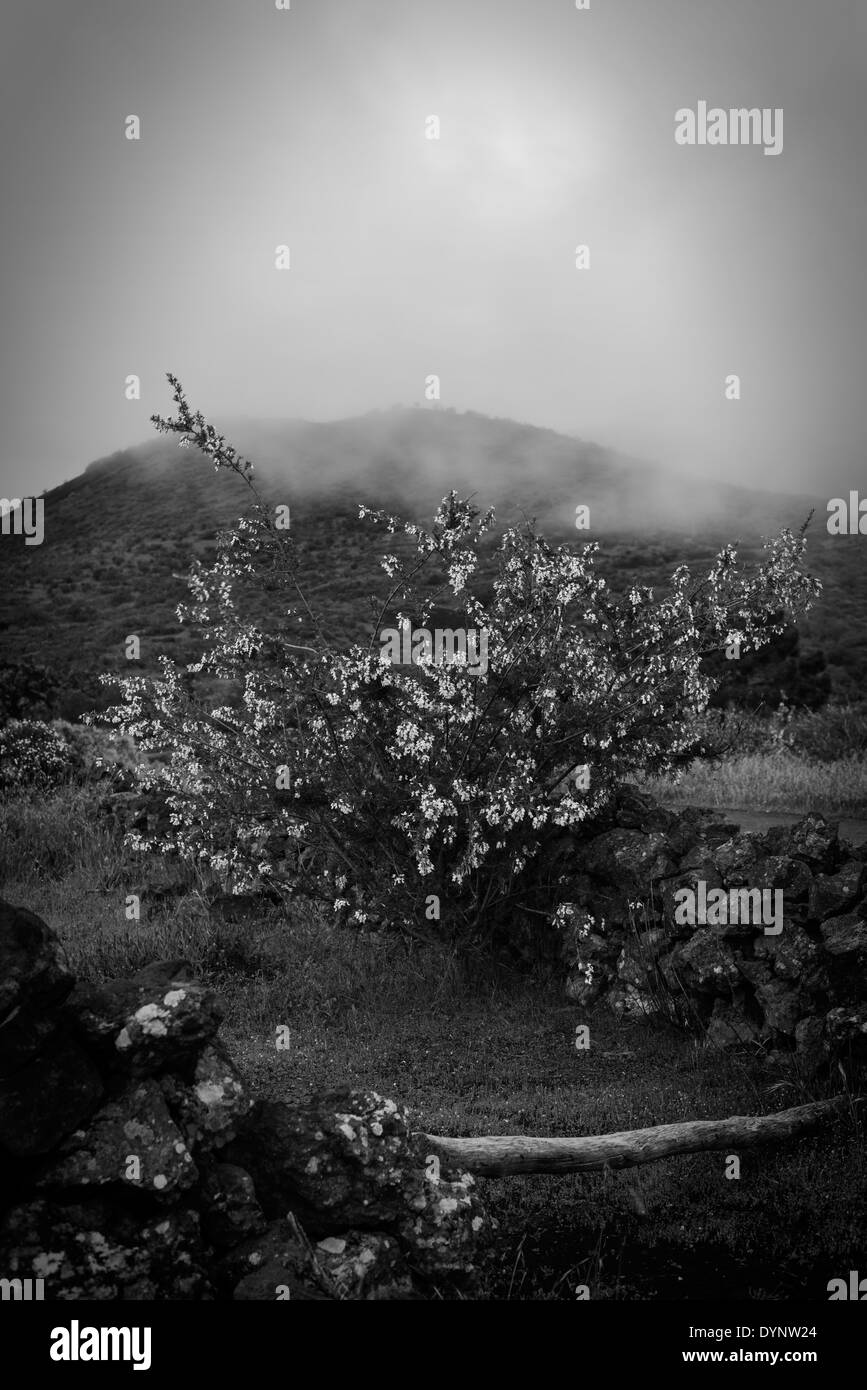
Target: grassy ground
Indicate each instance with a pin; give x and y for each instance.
(777, 780)
(488, 1055)
(791, 761)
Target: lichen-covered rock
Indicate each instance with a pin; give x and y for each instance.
(348, 1160)
(142, 1024)
(275, 1265)
(45, 1100)
(846, 1029)
(695, 868)
(691, 872)
(628, 859)
(279, 1265)
(95, 1250)
(811, 1045)
(757, 971)
(132, 1140)
(365, 1265)
(231, 1210)
(793, 955)
(729, 1025)
(33, 969)
(781, 1006)
(34, 980)
(793, 876)
(817, 841)
(636, 964)
(845, 936)
(213, 1106)
(831, 895)
(339, 1161)
(736, 861)
(445, 1225)
(704, 963)
(26, 1035)
(812, 839)
(589, 957)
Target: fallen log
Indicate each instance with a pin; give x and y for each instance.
(495, 1156)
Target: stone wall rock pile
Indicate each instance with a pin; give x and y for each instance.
(801, 991)
(136, 1164)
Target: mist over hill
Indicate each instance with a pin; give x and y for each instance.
(120, 536)
(413, 456)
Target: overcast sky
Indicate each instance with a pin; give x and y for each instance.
(412, 256)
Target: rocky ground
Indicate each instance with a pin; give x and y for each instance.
(797, 985)
(137, 1165)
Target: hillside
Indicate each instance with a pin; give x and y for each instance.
(119, 537)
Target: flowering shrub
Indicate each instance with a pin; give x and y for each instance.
(40, 754)
(27, 689)
(94, 752)
(33, 754)
(421, 796)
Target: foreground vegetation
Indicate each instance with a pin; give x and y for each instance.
(792, 762)
(479, 1052)
(773, 781)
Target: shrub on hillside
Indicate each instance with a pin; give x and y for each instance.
(777, 671)
(34, 754)
(837, 730)
(96, 752)
(27, 690)
(422, 796)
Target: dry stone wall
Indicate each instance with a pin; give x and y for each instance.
(795, 984)
(136, 1164)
